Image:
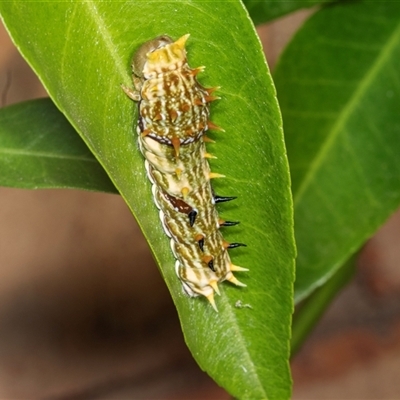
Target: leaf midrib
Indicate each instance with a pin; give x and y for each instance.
(241, 343)
(41, 154)
(351, 105)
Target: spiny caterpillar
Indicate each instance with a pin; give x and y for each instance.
(172, 125)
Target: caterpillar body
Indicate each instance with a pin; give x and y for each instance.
(172, 125)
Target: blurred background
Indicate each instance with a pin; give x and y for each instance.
(84, 313)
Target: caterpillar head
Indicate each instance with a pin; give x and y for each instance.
(140, 57)
(159, 55)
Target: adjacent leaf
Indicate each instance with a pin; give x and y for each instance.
(266, 10)
(40, 149)
(338, 84)
(82, 51)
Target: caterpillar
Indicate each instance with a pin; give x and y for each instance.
(172, 125)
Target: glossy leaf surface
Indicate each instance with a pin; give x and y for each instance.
(40, 149)
(338, 86)
(82, 64)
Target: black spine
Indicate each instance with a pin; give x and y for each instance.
(234, 245)
(230, 223)
(192, 217)
(201, 244)
(211, 265)
(222, 199)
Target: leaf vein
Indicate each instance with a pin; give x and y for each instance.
(42, 154)
(348, 109)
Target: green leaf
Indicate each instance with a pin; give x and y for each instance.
(339, 90)
(267, 10)
(40, 149)
(82, 52)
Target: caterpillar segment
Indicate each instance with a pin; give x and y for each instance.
(174, 118)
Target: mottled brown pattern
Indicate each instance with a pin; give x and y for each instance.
(173, 117)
